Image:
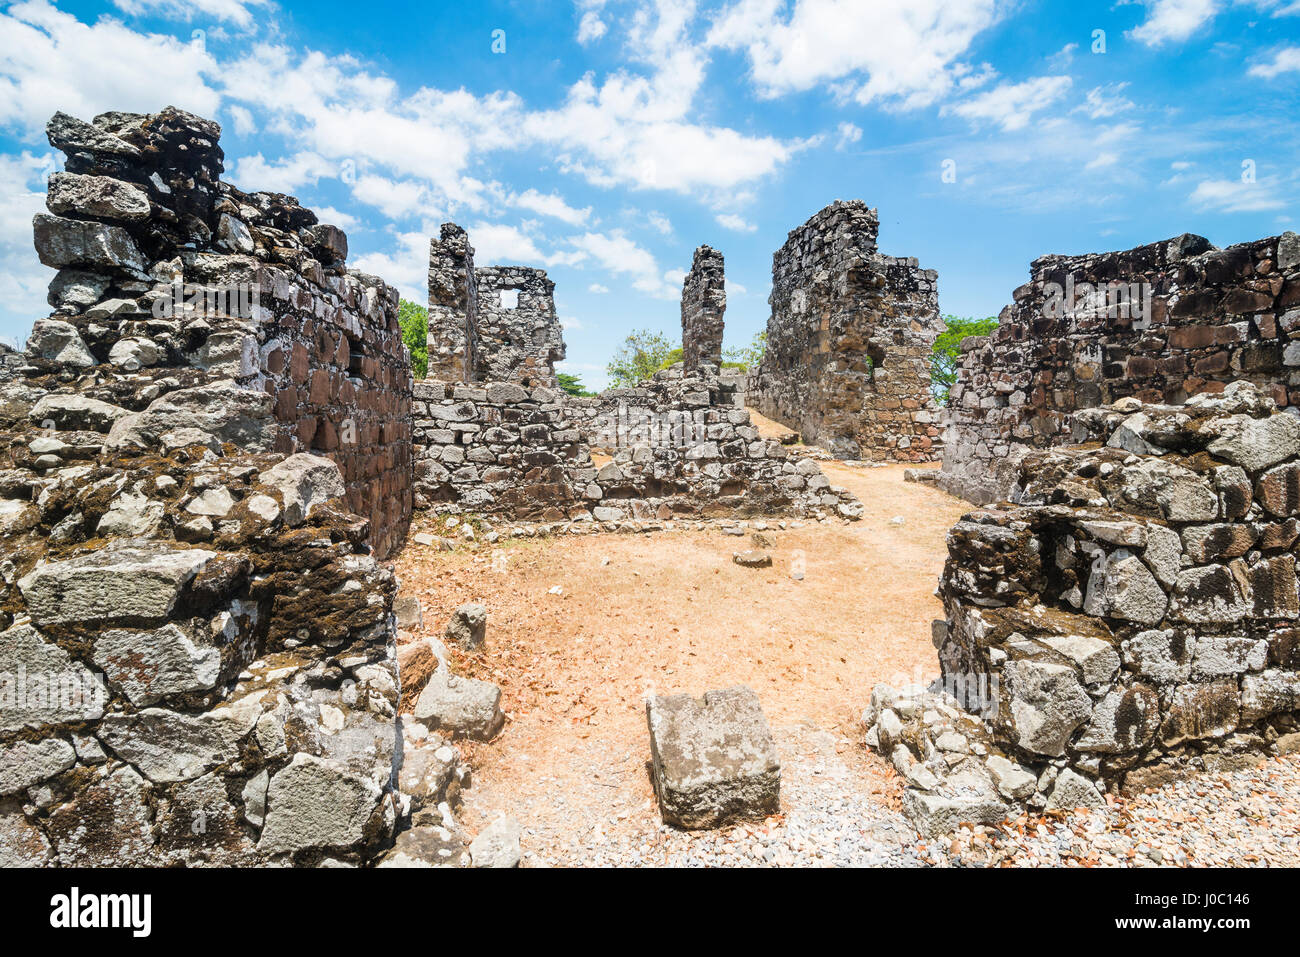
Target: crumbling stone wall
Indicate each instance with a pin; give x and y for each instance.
(518, 334)
(1161, 322)
(704, 302)
(197, 661)
(849, 342)
(452, 303)
(680, 447)
(489, 324)
(1131, 620)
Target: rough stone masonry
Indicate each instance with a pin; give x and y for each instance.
(202, 451)
(493, 324)
(849, 342)
(1161, 322)
(1132, 620)
(704, 303)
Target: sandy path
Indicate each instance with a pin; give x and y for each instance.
(671, 612)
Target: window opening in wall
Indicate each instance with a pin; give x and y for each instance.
(509, 298)
(355, 358)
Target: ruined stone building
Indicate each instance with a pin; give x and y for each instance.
(489, 324)
(849, 342)
(704, 303)
(205, 448)
(1161, 322)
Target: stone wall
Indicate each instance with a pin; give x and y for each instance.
(1161, 322)
(489, 324)
(704, 302)
(451, 304)
(1132, 620)
(677, 447)
(197, 662)
(519, 342)
(849, 341)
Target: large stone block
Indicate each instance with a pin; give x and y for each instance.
(714, 760)
(122, 582)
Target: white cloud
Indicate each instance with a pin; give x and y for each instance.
(407, 267)
(1285, 60)
(244, 124)
(254, 173)
(50, 61)
(232, 11)
(1104, 101)
(396, 199)
(569, 322)
(734, 288)
(1234, 196)
(590, 27)
(551, 205)
(1012, 105)
(1173, 21)
(336, 217)
(848, 133)
(1102, 160)
(735, 223)
(23, 280)
(906, 53)
(619, 255)
(660, 223)
(597, 288)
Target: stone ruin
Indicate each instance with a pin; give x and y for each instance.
(493, 324)
(849, 342)
(678, 446)
(1128, 614)
(1161, 323)
(704, 303)
(206, 448)
(1132, 619)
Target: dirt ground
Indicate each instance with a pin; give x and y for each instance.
(668, 612)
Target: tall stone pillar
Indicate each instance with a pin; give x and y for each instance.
(704, 300)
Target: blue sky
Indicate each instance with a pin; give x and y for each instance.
(611, 137)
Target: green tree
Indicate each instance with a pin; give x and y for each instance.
(642, 354)
(946, 358)
(573, 385)
(414, 320)
(748, 357)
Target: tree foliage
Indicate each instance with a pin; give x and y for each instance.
(747, 357)
(946, 358)
(571, 384)
(414, 320)
(642, 354)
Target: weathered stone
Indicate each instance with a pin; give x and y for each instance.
(305, 481)
(73, 242)
(222, 410)
(460, 706)
(1013, 782)
(752, 558)
(120, 582)
(1219, 657)
(1121, 586)
(76, 412)
(41, 684)
(713, 758)
(59, 342)
(1097, 660)
(99, 196)
(150, 665)
(1073, 791)
(1126, 719)
(427, 846)
(314, 804)
(22, 843)
(1200, 711)
(24, 763)
(497, 845)
(1047, 703)
(467, 626)
(966, 796)
(1162, 656)
(171, 746)
(1268, 693)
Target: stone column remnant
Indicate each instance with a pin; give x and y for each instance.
(704, 301)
